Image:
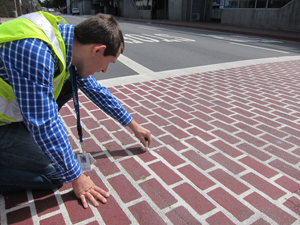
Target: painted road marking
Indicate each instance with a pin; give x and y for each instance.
(241, 39)
(140, 69)
(140, 38)
(268, 49)
(168, 38)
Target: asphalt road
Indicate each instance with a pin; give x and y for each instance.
(155, 48)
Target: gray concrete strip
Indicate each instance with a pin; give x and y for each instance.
(198, 69)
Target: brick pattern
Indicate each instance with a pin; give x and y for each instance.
(225, 150)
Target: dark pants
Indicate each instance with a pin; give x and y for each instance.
(154, 14)
(23, 165)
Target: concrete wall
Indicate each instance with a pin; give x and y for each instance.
(131, 11)
(128, 9)
(289, 16)
(266, 18)
(120, 4)
(180, 9)
(286, 18)
(84, 7)
(160, 14)
(187, 15)
(175, 10)
(214, 14)
(147, 14)
(183, 10)
(74, 5)
(198, 7)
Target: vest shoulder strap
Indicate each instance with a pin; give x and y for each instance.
(46, 26)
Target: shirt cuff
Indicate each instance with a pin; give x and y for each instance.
(125, 121)
(72, 174)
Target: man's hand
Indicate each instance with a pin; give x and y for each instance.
(140, 132)
(84, 188)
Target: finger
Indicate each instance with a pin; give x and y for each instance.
(83, 200)
(101, 191)
(143, 141)
(99, 196)
(150, 140)
(92, 199)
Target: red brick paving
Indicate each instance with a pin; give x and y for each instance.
(225, 150)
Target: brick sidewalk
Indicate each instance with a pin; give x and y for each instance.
(226, 150)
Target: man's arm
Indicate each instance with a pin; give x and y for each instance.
(30, 66)
(102, 97)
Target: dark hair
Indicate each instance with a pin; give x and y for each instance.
(101, 29)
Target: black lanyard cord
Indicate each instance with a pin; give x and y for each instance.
(76, 102)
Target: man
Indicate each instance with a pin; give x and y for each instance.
(37, 51)
(154, 10)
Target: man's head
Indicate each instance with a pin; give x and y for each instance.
(98, 41)
(101, 29)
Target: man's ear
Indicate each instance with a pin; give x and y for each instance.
(98, 49)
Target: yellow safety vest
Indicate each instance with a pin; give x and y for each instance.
(39, 25)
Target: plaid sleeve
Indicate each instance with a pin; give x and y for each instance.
(30, 66)
(102, 97)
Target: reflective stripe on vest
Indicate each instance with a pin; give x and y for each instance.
(9, 107)
(11, 110)
(46, 26)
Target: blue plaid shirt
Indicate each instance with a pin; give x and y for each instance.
(29, 66)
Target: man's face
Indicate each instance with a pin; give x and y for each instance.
(97, 63)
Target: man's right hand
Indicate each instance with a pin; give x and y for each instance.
(84, 188)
